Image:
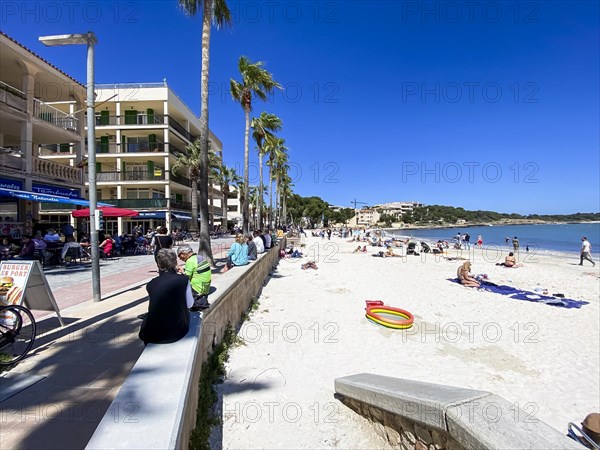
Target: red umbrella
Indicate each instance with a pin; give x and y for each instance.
(107, 211)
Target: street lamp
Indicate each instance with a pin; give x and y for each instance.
(88, 39)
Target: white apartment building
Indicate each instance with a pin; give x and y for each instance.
(397, 209)
(39, 106)
(140, 130)
(365, 217)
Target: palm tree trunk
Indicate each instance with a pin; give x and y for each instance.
(245, 218)
(277, 203)
(225, 190)
(260, 190)
(204, 247)
(194, 183)
(270, 198)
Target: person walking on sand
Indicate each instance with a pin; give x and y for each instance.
(480, 241)
(586, 251)
(515, 243)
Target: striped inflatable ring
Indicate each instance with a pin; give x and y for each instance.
(376, 307)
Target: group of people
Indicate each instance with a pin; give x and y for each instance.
(178, 290)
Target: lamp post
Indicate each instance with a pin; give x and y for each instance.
(90, 40)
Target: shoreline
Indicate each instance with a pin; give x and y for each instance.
(487, 224)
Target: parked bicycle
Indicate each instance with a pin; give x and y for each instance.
(17, 333)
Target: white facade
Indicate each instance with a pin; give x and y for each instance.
(140, 130)
(397, 209)
(39, 105)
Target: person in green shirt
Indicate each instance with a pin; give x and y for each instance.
(198, 270)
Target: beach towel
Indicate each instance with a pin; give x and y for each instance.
(528, 296)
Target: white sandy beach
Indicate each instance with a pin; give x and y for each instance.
(310, 328)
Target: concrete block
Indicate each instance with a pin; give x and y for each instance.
(494, 423)
(420, 402)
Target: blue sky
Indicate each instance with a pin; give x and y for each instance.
(484, 105)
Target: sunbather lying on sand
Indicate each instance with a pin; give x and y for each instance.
(309, 265)
(510, 261)
(464, 275)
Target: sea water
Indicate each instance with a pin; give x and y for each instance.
(564, 238)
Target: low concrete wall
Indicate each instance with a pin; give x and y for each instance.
(156, 406)
(424, 416)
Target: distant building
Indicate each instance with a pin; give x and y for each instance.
(365, 217)
(397, 209)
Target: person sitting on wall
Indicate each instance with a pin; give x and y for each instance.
(198, 271)
(168, 317)
(259, 242)
(238, 253)
(252, 252)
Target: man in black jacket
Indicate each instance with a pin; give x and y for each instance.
(168, 318)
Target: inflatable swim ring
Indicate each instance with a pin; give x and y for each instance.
(388, 316)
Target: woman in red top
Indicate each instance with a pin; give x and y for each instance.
(107, 245)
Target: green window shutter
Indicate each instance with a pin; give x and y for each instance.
(130, 117)
(103, 144)
(152, 142)
(150, 113)
(150, 170)
(98, 167)
(104, 117)
(64, 148)
(178, 197)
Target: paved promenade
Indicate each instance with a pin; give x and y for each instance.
(56, 397)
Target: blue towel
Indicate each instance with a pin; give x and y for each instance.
(528, 296)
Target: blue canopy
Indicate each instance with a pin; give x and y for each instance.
(48, 198)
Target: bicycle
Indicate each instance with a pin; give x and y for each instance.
(17, 333)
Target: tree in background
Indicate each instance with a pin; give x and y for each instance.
(263, 128)
(256, 82)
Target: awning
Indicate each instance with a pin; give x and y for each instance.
(107, 211)
(181, 216)
(47, 198)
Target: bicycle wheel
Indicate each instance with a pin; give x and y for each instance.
(17, 333)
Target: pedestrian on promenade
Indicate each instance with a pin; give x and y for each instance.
(170, 293)
(586, 251)
(161, 240)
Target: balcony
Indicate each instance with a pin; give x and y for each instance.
(54, 116)
(130, 119)
(56, 171)
(13, 97)
(181, 180)
(181, 130)
(55, 150)
(136, 147)
(180, 204)
(138, 175)
(138, 203)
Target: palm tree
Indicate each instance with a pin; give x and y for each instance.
(256, 81)
(280, 170)
(226, 177)
(217, 12)
(286, 191)
(190, 160)
(263, 128)
(277, 150)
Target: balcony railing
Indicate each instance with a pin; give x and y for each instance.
(181, 130)
(136, 147)
(139, 119)
(181, 180)
(138, 203)
(57, 171)
(55, 149)
(13, 97)
(180, 204)
(142, 175)
(54, 116)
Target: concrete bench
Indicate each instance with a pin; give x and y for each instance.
(409, 412)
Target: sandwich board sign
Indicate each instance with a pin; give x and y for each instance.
(24, 282)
